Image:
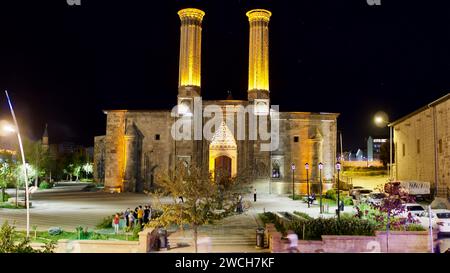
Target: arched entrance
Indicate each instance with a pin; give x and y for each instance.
(223, 164)
(223, 152)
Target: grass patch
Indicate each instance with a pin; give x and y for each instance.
(44, 236)
(5, 205)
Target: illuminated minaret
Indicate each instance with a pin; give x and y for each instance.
(258, 66)
(190, 53)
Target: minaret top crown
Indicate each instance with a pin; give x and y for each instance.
(191, 13)
(258, 15)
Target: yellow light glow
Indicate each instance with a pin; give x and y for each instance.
(258, 70)
(190, 47)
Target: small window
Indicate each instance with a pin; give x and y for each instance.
(440, 146)
(296, 139)
(404, 149)
(157, 137)
(418, 146)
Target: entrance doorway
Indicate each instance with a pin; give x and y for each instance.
(222, 165)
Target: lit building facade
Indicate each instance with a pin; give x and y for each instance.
(140, 145)
(422, 146)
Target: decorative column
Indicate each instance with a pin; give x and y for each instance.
(258, 65)
(190, 52)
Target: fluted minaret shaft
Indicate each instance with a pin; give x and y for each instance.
(258, 66)
(190, 51)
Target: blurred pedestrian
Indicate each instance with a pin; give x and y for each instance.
(254, 195)
(293, 242)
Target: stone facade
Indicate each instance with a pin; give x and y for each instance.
(141, 145)
(422, 146)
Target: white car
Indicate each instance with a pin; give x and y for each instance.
(443, 221)
(415, 209)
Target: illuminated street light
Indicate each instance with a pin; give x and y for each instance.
(381, 119)
(320, 182)
(293, 170)
(23, 160)
(307, 181)
(338, 168)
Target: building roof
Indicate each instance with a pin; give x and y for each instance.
(436, 102)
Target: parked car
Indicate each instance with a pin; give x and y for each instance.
(375, 198)
(354, 190)
(362, 194)
(443, 221)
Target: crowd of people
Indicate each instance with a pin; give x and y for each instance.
(140, 216)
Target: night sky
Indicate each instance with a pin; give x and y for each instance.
(63, 64)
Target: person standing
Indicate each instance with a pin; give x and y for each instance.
(140, 215)
(146, 211)
(125, 215)
(131, 220)
(254, 195)
(116, 223)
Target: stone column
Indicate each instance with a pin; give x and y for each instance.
(258, 64)
(190, 52)
(129, 183)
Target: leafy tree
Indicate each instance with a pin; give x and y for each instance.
(8, 242)
(194, 197)
(7, 175)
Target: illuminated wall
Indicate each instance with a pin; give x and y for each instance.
(258, 67)
(190, 47)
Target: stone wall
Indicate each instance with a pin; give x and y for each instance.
(399, 242)
(415, 147)
(99, 159)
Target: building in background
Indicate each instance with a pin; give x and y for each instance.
(422, 146)
(374, 148)
(138, 144)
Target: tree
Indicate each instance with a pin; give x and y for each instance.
(8, 243)
(7, 175)
(200, 194)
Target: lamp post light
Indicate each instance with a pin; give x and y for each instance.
(307, 181)
(320, 185)
(338, 168)
(382, 120)
(23, 162)
(293, 170)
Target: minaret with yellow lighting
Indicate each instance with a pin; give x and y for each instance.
(258, 66)
(190, 52)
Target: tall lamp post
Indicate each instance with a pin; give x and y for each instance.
(293, 170)
(338, 168)
(320, 185)
(23, 162)
(382, 120)
(307, 182)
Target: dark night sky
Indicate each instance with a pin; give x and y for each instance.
(64, 64)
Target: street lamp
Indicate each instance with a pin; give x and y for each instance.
(307, 181)
(16, 129)
(320, 184)
(293, 170)
(338, 168)
(381, 119)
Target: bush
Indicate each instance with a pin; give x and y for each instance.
(331, 194)
(45, 185)
(53, 231)
(10, 244)
(415, 227)
(106, 222)
(315, 228)
(303, 215)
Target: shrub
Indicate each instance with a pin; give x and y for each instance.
(106, 222)
(53, 231)
(315, 228)
(45, 185)
(415, 227)
(9, 244)
(331, 194)
(303, 215)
